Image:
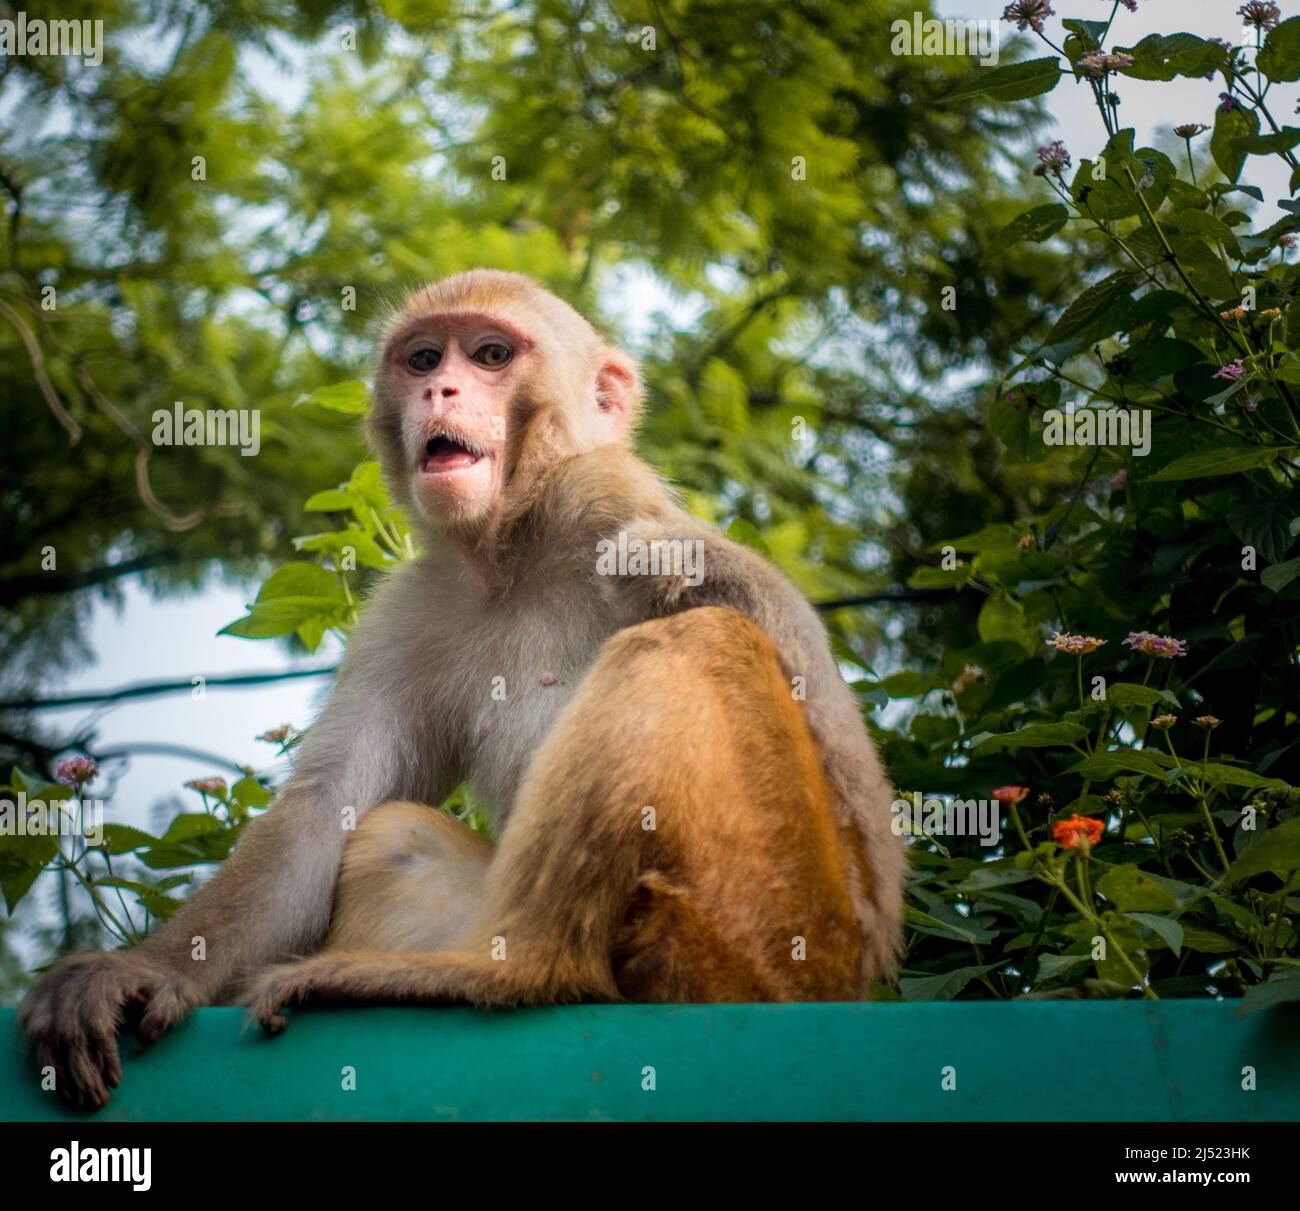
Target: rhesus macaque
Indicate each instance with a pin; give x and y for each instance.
(688, 804)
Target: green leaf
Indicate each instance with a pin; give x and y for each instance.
(1124, 695)
(914, 916)
(1002, 619)
(1279, 57)
(1278, 140)
(1280, 575)
(1034, 735)
(331, 500)
(151, 897)
(1278, 850)
(250, 792)
(1166, 927)
(1200, 222)
(1164, 56)
(907, 684)
(299, 579)
(1096, 312)
(1162, 356)
(189, 825)
(352, 397)
(1036, 225)
(1059, 967)
(1230, 128)
(1090, 33)
(1280, 991)
(338, 544)
(938, 578)
(1205, 464)
(1234, 775)
(1154, 305)
(1011, 82)
(122, 838)
(1103, 766)
(1265, 525)
(1010, 422)
(1206, 941)
(941, 987)
(1131, 889)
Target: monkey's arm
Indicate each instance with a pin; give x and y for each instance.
(271, 898)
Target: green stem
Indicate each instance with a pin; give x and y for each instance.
(1277, 915)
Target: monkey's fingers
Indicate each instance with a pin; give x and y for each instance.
(72, 1017)
(162, 1006)
(77, 1038)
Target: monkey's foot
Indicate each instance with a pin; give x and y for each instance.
(369, 977)
(289, 984)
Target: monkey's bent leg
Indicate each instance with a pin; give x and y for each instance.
(411, 879)
(673, 840)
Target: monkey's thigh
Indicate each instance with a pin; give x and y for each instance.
(411, 879)
(684, 770)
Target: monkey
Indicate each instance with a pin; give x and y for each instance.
(687, 802)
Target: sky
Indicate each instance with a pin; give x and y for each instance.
(166, 639)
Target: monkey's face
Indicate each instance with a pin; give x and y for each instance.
(451, 380)
(486, 380)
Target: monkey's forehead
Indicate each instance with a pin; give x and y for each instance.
(509, 297)
(458, 321)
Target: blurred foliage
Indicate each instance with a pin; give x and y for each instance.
(858, 341)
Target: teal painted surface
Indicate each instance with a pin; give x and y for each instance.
(1047, 1061)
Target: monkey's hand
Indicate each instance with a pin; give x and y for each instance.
(71, 1018)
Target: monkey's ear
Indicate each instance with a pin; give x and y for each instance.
(618, 388)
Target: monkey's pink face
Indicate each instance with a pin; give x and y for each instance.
(455, 376)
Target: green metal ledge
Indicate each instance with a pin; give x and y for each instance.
(1076, 1061)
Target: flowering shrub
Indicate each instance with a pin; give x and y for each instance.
(1148, 846)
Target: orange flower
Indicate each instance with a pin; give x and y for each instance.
(1010, 795)
(1078, 832)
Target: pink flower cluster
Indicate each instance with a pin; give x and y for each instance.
(1097, 63)
(1155, 645)
(1261, 14)
(1053, 158)
(75, 771)
(1075, 645)
(1028, 14)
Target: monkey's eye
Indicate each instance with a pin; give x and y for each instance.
(492, 356)
(424, 360)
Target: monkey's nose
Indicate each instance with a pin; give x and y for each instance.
(448, 392)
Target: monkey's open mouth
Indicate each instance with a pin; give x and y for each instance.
(443, 453)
